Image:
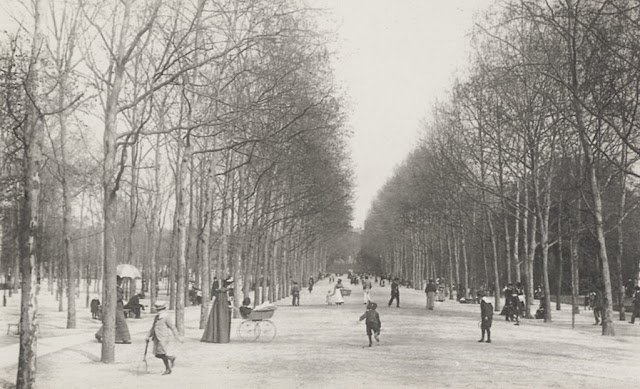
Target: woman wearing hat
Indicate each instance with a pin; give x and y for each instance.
(122, 329)
(161, 332)
(337, 293)
(218, 327)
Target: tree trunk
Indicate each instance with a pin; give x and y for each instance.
(450, 252)
(619, 230)
(33, 163)
(607, 311)
(182, 216)
(496, 270)
(516, 234)
(205, 271)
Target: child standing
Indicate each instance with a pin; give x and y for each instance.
(372, 320)
(329, 293)
(486, 314)
(295, 293)
(160, 333)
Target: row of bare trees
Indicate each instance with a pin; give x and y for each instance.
(192, 138)
(526, 172)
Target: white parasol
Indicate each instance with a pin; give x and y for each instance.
(128, 271)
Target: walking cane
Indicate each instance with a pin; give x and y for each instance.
(144, 359)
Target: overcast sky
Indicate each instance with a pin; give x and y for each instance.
(395, 59)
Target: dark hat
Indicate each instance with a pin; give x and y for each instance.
(372, 305)
(246, 301)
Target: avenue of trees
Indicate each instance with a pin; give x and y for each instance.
(527, 170)
(191, 138)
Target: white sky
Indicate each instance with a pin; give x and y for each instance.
(396, 58)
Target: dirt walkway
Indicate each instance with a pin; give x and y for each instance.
(324, 346)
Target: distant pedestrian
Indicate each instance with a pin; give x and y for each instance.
(295, 293)
(596, 303)
(486, 316)
(431, 290)
(95, 308)
(587, 300)
(366, 288)
(372, 320)
(337, 292)
(395, 292)
(636, 306)
(161, 332)
(311, 282)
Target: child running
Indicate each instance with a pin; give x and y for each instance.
(160, 333)
(372, 321)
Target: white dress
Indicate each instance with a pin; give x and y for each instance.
(337, 295)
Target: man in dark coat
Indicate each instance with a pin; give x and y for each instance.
(395, 292)
(134, 305)
(486, 315)
(295, 294)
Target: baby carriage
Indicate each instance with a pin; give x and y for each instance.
(257, 324)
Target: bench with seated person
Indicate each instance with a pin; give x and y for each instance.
(133, 307)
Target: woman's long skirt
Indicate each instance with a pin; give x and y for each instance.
(218, 327)
(122, 329)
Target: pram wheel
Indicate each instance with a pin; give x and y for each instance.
(249, 331)
(266, 330)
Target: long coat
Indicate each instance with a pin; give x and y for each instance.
(161, 333)
(486, 313)
(218, 327)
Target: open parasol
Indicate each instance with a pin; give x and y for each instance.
(128, 271)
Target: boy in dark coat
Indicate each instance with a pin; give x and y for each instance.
(372, 320)
(395, 292)
(486, 315)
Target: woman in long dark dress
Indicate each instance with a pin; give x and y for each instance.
(218, 327)
(122, 330)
